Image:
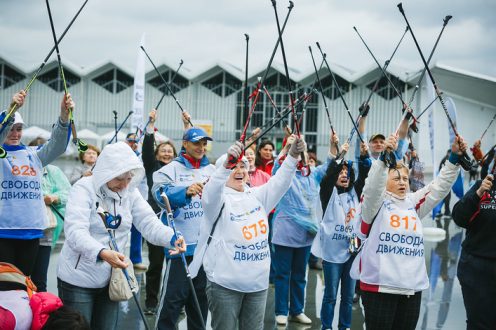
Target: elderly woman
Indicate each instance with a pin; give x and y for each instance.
(392, 269)
(86, 258)
(237, 262)
(22, 208)
(88, 160)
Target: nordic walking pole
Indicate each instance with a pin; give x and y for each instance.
(172, 80)
(321, 88)
(170, 220)
(81, 145)
(445, 22)
(103, 215)
(120, 127)
(288, 83)
(159, 102)
(13, 107)
(464, 161)
(165, 83)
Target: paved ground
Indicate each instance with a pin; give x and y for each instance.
(442, 304)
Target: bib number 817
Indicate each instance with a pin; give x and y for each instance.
(395, 221)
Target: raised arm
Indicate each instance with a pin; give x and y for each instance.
(147, 150)
(18, 100)
(58, 140)
(364, 163)
(429, 196)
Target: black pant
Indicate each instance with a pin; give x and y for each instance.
(384, 311)
(156, 257)
(478, 280)
(178, 294)
(40, 269)
(19, 252)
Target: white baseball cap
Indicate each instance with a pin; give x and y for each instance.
(18, 119)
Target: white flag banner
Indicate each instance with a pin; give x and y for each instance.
(427, 95)
(139, 89)
(450, 105)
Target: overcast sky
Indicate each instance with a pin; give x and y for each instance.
(203, 32)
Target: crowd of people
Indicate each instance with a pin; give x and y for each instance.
(235, 227)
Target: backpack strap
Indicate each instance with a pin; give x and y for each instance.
(215, 225)
(10, 273)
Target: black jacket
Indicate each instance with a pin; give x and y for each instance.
(478, 216)
(329, 181)
(151, 164)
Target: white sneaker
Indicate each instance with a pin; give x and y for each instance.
(281, 319)
(301, 318)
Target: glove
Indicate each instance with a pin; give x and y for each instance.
(297, 148)
(233, 154)
(409, 115)
(364, 110)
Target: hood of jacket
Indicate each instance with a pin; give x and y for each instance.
(117, 159)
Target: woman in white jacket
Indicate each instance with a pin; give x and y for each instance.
(86, 259)
(391, 263)
(237, 260)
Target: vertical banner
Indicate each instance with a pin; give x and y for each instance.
(427, 95)
(139, 89)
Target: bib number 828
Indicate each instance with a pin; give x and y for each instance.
(254, 229)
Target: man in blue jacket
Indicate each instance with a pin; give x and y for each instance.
(182, 181)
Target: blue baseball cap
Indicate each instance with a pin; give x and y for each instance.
(195, 134)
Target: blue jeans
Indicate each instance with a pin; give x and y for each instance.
(333, 275)
(234, 309)
(135, 250)
(290, 267)
(94, 304)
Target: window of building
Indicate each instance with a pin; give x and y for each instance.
(53, 79)
(265, 112)
(385, 90)
(175, 85)
(9, 76)
(114, 80)
(223, 84)
(331, 90)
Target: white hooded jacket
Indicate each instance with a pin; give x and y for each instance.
(85, 231)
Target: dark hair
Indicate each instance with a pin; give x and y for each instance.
(351, 174)
(312, 155)
(66, 318)
(90, 147)
(166, 143)
(37, 142)
(258, 158)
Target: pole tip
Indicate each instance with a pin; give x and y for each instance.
(318, 45)
(291, 5)
(354, 28)
(247, 37)
(181, 62)
(400, 7)
(447, 18)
